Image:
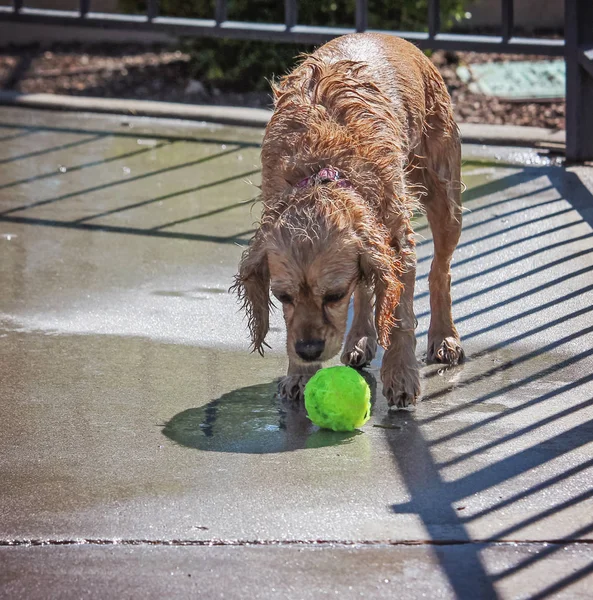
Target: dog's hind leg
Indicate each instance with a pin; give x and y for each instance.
(442, 179)
(361, 342)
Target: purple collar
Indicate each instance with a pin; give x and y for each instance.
(325, 175)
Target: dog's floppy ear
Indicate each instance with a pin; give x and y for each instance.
(252, 286)
(381, 268)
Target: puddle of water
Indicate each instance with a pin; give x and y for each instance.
(498, 156)
(251, 420)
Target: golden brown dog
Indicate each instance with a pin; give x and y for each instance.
(362, 134)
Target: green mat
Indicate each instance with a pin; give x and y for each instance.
(522, 80)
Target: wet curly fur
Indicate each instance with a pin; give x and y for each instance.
(374, 108)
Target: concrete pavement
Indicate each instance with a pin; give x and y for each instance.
(142, 450)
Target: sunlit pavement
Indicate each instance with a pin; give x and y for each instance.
(142, 451)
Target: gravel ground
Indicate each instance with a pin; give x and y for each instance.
(131, 71)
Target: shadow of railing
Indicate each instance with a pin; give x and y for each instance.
(81, 130)
(94, 163)
(236, 239)
(176, 194)
(65, 146)
(14, 136)
(523, 439)
(17, 212)
(128, 180)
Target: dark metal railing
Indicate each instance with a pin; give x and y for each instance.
(577, 48)
(578, 30)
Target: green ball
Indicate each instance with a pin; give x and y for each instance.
(338, 398)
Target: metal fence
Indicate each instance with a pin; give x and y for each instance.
(576, 48)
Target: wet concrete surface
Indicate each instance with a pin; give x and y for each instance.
(137, 428)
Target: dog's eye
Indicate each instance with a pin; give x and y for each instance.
(333, 298)
(284, 298)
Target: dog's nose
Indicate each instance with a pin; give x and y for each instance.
(309, 349)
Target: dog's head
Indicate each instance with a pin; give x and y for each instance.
(312, 251)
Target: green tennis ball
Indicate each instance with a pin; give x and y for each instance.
(338, 398)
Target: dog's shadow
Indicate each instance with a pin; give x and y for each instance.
(253, 420)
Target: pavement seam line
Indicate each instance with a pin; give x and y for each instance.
(25, 542)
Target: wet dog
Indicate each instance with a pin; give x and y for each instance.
(361, 136)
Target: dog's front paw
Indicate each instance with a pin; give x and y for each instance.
(359, 353)
(445, 350)
(292, 387)
(401, 386)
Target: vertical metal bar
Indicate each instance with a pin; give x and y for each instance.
(17, 5)
(221, 11)
(84, 8)
(362, 15)
(290, 13)
(434, 18)
(152, 9)
(578, 32)
(508, 18)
